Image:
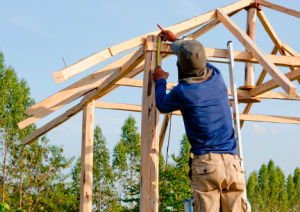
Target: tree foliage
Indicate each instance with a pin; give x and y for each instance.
(270, 190)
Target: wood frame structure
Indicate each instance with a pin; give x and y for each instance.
(122, 71)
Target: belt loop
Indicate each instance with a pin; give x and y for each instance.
(210, 155)
(223, 157)
(192, 155)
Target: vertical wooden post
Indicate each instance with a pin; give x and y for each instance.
(249, 67)
(86, 181)
(149, 137)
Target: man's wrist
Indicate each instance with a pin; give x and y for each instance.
(162, 80)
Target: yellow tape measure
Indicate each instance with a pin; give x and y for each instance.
(158, 50)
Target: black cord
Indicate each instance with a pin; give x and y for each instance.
(162, 199)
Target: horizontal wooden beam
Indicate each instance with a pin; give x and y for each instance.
(239, 56)
(265, 62)
(179, 29)
(272, 84)
(242, 94)
(279, 8)
(244, 117)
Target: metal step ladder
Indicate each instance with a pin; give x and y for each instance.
(235, 112)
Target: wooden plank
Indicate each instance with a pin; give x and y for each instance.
(179, 29)
(243, 117)
(239, 56)
(88, 83)
(268, 27)
(272, 84)
(78, 67)
(279, 8)
(208, 27)
(243, 95)
(272, 119)
(289, 49)
(86, 180)
(257, 53)
(258, 82)
(250, 29)
(149, 197)
(108, 83)
(118, 106)
(139, 83)
(163, 130)
(78, 88)
(52, 124)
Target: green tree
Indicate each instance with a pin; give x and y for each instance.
(291, 192)
(296, 180)
(263, 181)
(14, 101)
(104, 194)
(253, 191)
(177, 183)
(119, 165)
(103, 176)
(131, 138)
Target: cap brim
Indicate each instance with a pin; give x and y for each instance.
(175, 46)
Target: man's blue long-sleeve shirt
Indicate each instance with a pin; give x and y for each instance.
(205, 110)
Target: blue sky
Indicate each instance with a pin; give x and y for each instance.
(35, 35)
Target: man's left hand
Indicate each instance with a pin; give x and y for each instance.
(160, 74)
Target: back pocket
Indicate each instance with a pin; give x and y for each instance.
(240, 176)
(206, 169)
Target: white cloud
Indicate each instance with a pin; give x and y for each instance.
(274, 131)
(60, 130)
(259, 130)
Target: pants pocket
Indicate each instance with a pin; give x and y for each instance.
(240, 176)
(244, 205)
(207, 201)
(204, 177)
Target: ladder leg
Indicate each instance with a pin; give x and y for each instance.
(235, 109)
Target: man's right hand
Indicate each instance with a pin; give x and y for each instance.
(168, 35)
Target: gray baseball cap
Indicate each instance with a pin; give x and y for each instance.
(191, 60)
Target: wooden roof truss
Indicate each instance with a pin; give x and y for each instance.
(122, 71)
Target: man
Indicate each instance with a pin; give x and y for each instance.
(217, 178)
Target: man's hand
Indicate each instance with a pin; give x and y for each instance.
(168, 35)
(160, 74)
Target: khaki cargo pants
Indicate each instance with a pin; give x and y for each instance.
(218, 182)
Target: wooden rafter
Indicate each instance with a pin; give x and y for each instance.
(87, 84)
(245, 117)
(208, 27)
(277, 75)
(279, 8)
(239, 56)
(107, 84)
(179, 29)
(289, 49)
(242, 94)
(272, 84)
(268, 27)
(258, 82)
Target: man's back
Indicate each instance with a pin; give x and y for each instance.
(206, 113)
